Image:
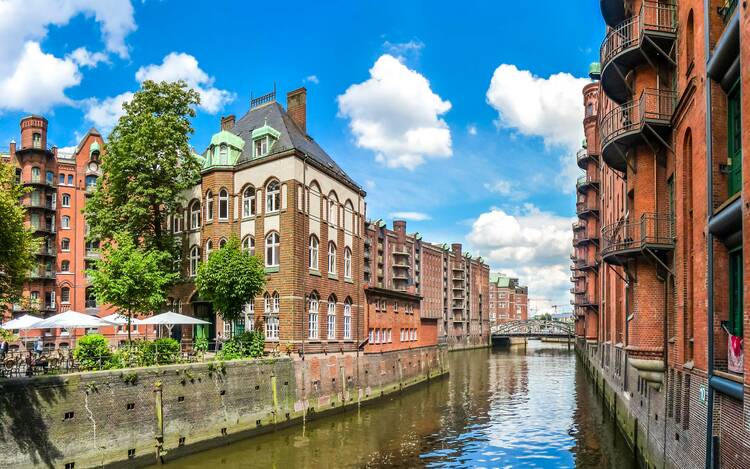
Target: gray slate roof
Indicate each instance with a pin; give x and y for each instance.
(292, 137)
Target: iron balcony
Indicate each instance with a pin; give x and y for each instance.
(647, 118)
(583, 156)
(587, 181)
(628, 239)
(645, 38)
(587, 208)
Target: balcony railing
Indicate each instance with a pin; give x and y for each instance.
(654, 17)
(579, 225)
(47, 251)
(727, 10)
(586, 180)
(585, 300)
(650, 230)
(587, 206)
(652, 106)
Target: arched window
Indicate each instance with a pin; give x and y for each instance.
(331, 258)
(248, 202)
(314, 248)
(312, 328)
(70, 179)
(65, 244)
(248, 245)
(276, 303)
(209, 248)
(65, 266)
(195, 215)
(177, 220)
(690, 40)
(273, 196)
(65, 295)
(65, 222)
(347, 263)
(266, 303)
(347, 319)
(66, 200)
(333, 209)
(90, 183)
(272, 249)
(223, 204)
(209, 206)
(36, 140)
(223, 152)
(90, 298)
(36, 174)
(195, 256)
(222, 242)
(331, 323)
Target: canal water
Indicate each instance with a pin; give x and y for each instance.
(529, 407)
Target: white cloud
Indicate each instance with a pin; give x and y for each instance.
(180, 66)
(36, 81)
(104, 114)
(550, 108)
(400, 49)
(413, 216)
(311, 79)
(396, 114)
(500, 186)
(84, 58)
(471, 129)
(532, 244)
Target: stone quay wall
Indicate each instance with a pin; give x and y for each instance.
(133, 417)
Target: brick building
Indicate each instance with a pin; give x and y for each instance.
(267, 182)
(60, 185)
(392, 273)
(665, 137)
(509, 300)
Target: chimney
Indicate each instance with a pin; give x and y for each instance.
(296, 107)
(456, 248)
(227, 123)
(399, 226)
(12, 148)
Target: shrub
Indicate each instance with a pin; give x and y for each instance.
(92, 353)
(201, 344)
(166, 350)
(231, 350)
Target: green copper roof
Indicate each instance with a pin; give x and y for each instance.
(94, 147)
(229, 138)
(266, 130)
(595, 70)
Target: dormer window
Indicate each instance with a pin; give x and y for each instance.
(261, 147)
(263, 140)
(223, 154)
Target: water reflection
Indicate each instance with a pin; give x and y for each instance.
(530, 407)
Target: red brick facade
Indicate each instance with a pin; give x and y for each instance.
(509, 301)
(669, 278)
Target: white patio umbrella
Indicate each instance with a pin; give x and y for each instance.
(22, 323)
(121, 319)
(71, 320)
(170, 319)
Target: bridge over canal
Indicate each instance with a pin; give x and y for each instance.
(503, 334)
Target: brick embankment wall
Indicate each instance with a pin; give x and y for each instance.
(111, 418)
(665, 427)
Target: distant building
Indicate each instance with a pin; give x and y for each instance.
(509, 301)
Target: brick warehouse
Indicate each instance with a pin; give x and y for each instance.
(659, 290)
(509, 300)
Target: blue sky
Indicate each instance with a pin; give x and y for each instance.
(400, 93)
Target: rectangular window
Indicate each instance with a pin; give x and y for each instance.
(735, 139)
(272, 328)
(735, 292)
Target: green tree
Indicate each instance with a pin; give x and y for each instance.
(17, 243)
(131, 277)
(148, 163)
(230, 278)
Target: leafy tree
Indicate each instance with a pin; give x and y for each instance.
(148, 163)
(132, 278)
(17, 243)
(230, 278)
(92, 352)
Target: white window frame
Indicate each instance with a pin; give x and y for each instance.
(331, 258)
(209, 248)
(65, 222)
(248, 245)
(331, 325)
(273, 249)
(347, 320)
(224, 204)
(273, 196)
(195, 215)
(248, 202)
(313, 325)
(313, 251)
(195, 256)
(209, 206)
(63, 202)
(347, 263)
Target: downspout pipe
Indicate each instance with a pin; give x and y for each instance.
(710, 246)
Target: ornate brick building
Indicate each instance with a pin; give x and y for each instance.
(509, 300)
(60, 184)
(267, 182)
(665, 138)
